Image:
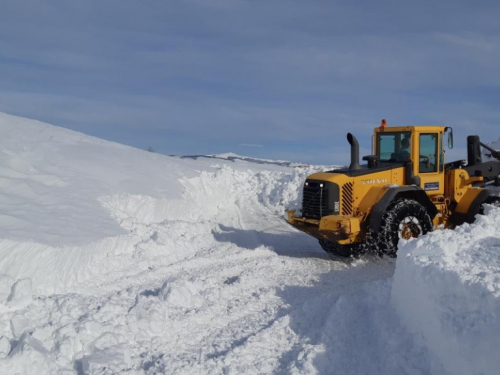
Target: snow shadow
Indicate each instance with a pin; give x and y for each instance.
(283, 243)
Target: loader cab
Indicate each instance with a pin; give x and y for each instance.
(422, 146)
(393, 146)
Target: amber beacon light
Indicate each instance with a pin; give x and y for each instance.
(383, 124)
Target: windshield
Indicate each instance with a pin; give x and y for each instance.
(394, 146)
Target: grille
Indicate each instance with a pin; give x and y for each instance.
(314, 200)
(347, 199)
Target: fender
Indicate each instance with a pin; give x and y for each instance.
(410, 192)
(469, 206)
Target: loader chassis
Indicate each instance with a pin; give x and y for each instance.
(353, 209)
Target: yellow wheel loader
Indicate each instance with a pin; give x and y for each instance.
(405, 190)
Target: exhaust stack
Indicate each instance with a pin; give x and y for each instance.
(354, 152)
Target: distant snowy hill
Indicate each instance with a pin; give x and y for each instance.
(234, 157)
(116, 260)
(495, 146)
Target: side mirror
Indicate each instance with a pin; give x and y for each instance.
(450, 137)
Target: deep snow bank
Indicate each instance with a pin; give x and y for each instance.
(446, 288)
(73, 207)
(50, 179)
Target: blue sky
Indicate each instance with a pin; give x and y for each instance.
(274, 79)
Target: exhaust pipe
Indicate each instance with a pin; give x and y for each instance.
(354, 152)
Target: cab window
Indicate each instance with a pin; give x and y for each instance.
(441, 158)
(394, 146)
(428, 153)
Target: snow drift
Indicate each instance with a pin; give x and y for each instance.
(447, 289)
(115, 260)
(74, 206)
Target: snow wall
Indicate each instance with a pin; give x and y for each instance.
(446, 289)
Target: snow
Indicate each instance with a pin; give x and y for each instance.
(4, 347)
(116, 260)
(447, 290)
(230, 156)
(21, 294)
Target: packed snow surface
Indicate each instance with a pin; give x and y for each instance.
(115, 260)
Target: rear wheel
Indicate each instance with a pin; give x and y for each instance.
(404, 219)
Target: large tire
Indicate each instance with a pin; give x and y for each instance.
(340, 250)
(404, 219)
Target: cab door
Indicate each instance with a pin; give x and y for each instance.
(430, 162)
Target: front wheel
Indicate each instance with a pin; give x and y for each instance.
(404, 219)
